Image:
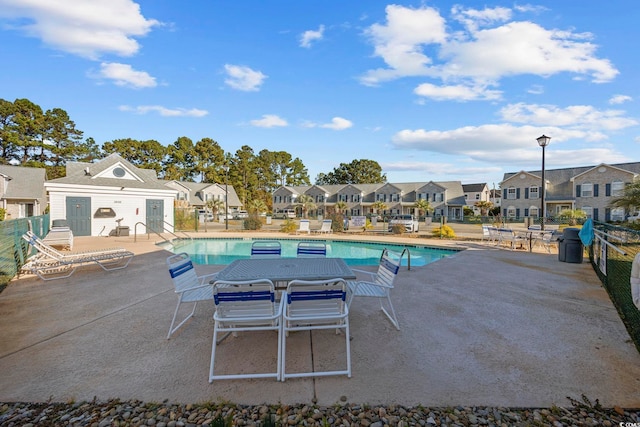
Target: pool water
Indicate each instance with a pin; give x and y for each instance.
(224, 251)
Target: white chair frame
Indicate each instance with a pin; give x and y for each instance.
(315, 305)
(245, 306)
(190, 287)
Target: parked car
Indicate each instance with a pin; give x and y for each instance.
(241, 215)
(411, 223)
(284, 214)
(635, 217)
(203, 215)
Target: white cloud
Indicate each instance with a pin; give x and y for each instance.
(163, 111)
(456, 92)
(498, 144)
(125, 75)
(399, 42)
(269, 121)
(87, 28)
(244, 78)
(619, 99)
(338, 123)
(310, 36)
(573, 116)
(438, 168)
(487, 48)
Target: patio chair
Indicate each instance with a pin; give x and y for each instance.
(245, 306)
(325, 227)
(304, 227)
(546, 239)
(50, 264)
(266, 249)
(379, 284)
(311, 249)
(486, 233)
(188, 285)
(59, 235)
(510, 237)
(311, 305)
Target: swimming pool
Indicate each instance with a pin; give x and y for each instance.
(213, 251)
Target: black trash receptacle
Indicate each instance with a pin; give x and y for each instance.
(570, 248)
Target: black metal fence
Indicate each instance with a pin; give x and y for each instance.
(612, 263)
(13, 248)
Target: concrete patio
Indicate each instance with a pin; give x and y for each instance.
(487, 327)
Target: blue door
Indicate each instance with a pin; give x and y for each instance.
(79, 215)
(155, 215)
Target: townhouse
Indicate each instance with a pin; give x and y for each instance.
(446, 198)
(589, 188)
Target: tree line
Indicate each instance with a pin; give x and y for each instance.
(32, 137)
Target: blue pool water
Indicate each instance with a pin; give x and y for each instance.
(224, 251)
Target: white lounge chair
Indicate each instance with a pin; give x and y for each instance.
(266, 249)
(325, 227)
(50, 264)
(245, 306)
(304, 227)
(188, 285)
(379, 284)
(315, 305)
(311, 250)
(634, 281)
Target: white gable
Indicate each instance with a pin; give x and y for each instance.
(118, 171)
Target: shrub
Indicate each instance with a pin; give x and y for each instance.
(3, 213)
(288, 226)
(444, 231)
(337, 222)
(398, 229)
(252, 222)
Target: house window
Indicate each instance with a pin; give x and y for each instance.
(617, 190)
(533, 192)
(511, 212)
(586, 190)
(617, 214)
(533, 212)
(588, 210)
(477, 196)
(511, 194)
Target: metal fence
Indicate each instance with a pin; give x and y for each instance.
(612, 261)
(13, 248)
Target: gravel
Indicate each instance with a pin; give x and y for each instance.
(136, 413)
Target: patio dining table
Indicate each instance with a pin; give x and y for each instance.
(282, 270)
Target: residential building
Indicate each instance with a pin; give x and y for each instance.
(474, 193)
(589, 188)
(98, 198)
(446, 198)
(22, 192)
(197, 194)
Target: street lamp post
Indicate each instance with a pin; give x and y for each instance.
(226, 197)
(543, 141)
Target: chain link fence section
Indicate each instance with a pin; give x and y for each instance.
(14, 250)
(613, 267)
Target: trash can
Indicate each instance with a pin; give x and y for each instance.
(122, 230)
(570, 248)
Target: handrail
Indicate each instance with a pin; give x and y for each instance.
(135, 232)
(598, 233)
(408, 257)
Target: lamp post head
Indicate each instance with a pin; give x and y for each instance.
(543, 140)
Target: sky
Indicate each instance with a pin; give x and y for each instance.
(431, 90)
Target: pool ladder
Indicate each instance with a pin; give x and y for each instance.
(401, 255)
